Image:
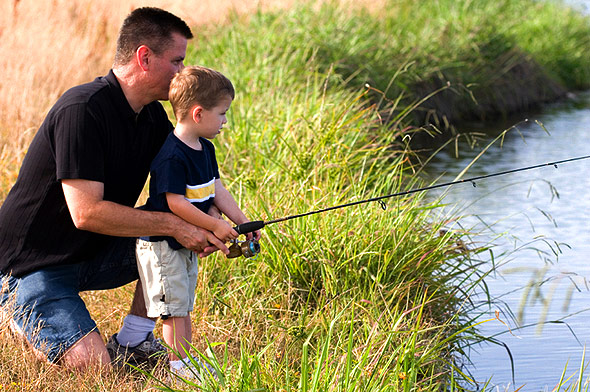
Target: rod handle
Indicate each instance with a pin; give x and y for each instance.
(249, 227)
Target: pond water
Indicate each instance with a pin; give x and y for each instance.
(547, 240)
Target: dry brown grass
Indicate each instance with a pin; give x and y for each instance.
(49, 46)
(245, 324)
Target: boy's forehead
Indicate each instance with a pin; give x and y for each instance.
(225, 100)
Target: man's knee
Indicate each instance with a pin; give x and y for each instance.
(90, 351)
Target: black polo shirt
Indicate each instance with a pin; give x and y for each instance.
(90, 133)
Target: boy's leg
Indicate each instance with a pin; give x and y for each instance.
(168, 278)
(177, 336)
(137, 326)
(135, 342)
(138, 307)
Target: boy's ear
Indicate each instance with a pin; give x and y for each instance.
(197, 112)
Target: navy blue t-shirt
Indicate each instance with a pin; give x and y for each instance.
(182, 170)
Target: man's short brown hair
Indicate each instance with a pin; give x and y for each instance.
(148, 26)
(198, 85)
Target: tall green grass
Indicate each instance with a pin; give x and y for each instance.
(497, 56)
(362, 298)
(355, 299)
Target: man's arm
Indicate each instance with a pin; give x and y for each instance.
(91, 212)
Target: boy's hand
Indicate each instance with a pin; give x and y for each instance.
(255, 235)
(224, 231)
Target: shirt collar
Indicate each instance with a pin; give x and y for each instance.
(121, 101)
(119, 98)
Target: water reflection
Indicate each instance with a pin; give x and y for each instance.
(556, 229)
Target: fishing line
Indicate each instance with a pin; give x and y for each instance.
(257, 225)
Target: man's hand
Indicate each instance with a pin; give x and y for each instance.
(214, 212)
(198, 240)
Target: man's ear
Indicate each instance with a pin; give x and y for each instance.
(142, 56)
(197, 112)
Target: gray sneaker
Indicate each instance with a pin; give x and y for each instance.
(196, 371)
(148, 353)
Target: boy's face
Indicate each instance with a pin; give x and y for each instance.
(212, 120)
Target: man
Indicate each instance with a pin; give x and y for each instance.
(68, 224)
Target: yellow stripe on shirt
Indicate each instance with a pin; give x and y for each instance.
(200, 193)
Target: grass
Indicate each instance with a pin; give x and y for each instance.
(355, 299)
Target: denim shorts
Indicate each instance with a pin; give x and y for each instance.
(46, 305)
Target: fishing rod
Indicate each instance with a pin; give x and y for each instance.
(251, 248)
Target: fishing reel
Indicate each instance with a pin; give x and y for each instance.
(248, 248)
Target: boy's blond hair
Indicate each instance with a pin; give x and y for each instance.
(198, 85)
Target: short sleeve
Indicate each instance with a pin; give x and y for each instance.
(211, 155)
(168, 176)
(78, 146)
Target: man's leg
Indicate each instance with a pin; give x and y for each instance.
(46, 309)
(138, 304)
(90, 351)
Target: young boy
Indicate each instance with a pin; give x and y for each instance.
(185, 181)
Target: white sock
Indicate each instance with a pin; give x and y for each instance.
(135, 330)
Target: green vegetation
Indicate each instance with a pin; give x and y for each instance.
(498, 57)
(358, 299)
(361, 298)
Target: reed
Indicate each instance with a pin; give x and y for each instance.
(356, 299)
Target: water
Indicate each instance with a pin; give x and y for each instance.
(582, 5)
(525, 206)
(548, 241)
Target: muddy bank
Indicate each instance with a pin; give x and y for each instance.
(511, 84)
(516, 84)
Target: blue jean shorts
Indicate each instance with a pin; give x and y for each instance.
(46, 304)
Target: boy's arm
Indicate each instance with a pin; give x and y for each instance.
(184, 209)
(228, 205)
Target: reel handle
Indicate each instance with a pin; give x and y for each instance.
(249, 227)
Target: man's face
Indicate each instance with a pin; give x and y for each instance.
(166, 65)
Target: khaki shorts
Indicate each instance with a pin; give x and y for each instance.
(168, 278)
